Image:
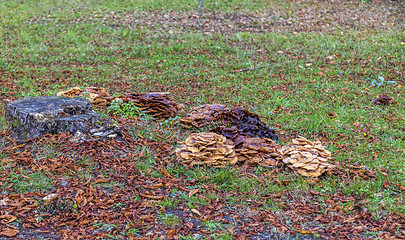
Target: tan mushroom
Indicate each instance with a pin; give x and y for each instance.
(307, 158)
(258, 151)
(71, 93)
(158, 105)
(204, 114)
(206, 148)
(96, 95)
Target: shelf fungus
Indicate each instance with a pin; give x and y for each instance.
(383, 100)
(307, 158)
(96, 95)
(262, 151)
(203, 115)
(71, 93)
(158, 105)
(250, 124)
(242, 121)
(206, 148)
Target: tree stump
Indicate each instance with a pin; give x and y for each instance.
(36, 116)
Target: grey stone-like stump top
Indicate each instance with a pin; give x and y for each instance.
(35, 117)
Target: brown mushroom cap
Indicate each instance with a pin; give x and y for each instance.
(206, 148)
(204, 114)
(158, 105)
(97, 95)
(71, 93)
(383, 100)
(262, 151)
(307, 158)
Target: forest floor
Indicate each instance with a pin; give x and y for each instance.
(307, 68)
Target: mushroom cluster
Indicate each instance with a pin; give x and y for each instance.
(243, 122)
(250, 124)
(155, 104)
(71, 93)
(231, 133)
(307, 158)
(206, 148)
(203, 115)
(262, 151)
(158, 105)
(97, 95)
(383, 100)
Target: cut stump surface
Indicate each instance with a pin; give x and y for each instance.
(36, 116)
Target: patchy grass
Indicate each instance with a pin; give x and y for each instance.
(309, 68)
(169, 220)
(34, 182)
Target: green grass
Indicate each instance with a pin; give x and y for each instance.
(169, 219)
(146, 162)
(314, 77)
(34, 182)
(49, 149)
(211, 225)
(169, 202)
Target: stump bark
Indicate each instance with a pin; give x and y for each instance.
(36, 116)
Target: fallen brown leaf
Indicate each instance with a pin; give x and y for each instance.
(196, 212)
(9, 232)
